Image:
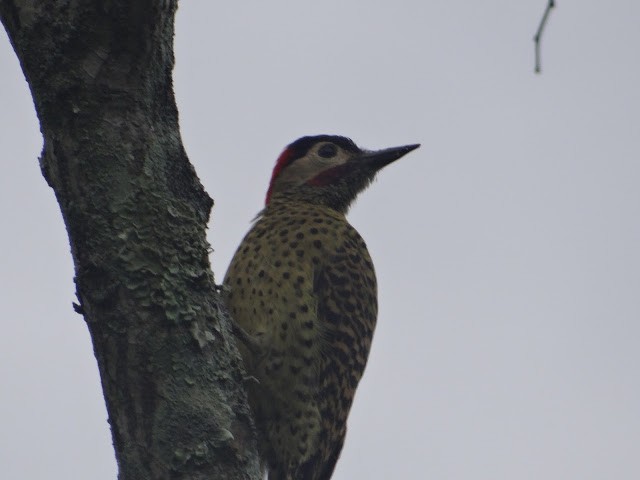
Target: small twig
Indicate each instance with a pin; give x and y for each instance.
(536, 38)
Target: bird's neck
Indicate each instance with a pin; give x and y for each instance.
(318, 197)
(285, 205)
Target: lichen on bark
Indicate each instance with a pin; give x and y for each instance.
(136, 215)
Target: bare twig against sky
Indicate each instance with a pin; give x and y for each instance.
(538, 34)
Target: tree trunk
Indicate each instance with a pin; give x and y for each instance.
(136, 214)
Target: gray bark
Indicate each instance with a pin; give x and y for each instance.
(136, 214)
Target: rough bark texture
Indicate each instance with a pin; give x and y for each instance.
(136, 214)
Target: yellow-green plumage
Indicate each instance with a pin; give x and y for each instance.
(302, 287)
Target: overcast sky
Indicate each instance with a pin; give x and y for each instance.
(507, 248)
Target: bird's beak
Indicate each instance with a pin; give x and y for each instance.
(378, 159)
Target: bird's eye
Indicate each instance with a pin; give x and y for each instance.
(328, 150)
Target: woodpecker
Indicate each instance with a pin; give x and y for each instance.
(302, 290)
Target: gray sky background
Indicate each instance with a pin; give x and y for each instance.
(507, 247)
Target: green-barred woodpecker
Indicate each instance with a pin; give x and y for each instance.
(302, 289)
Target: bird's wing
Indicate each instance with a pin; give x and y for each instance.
(346, 290)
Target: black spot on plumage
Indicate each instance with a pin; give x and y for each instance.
(341, 356)
(337, 280)
(332, 317)
(341, 295)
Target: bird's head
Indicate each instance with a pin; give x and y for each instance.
(328, 170)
